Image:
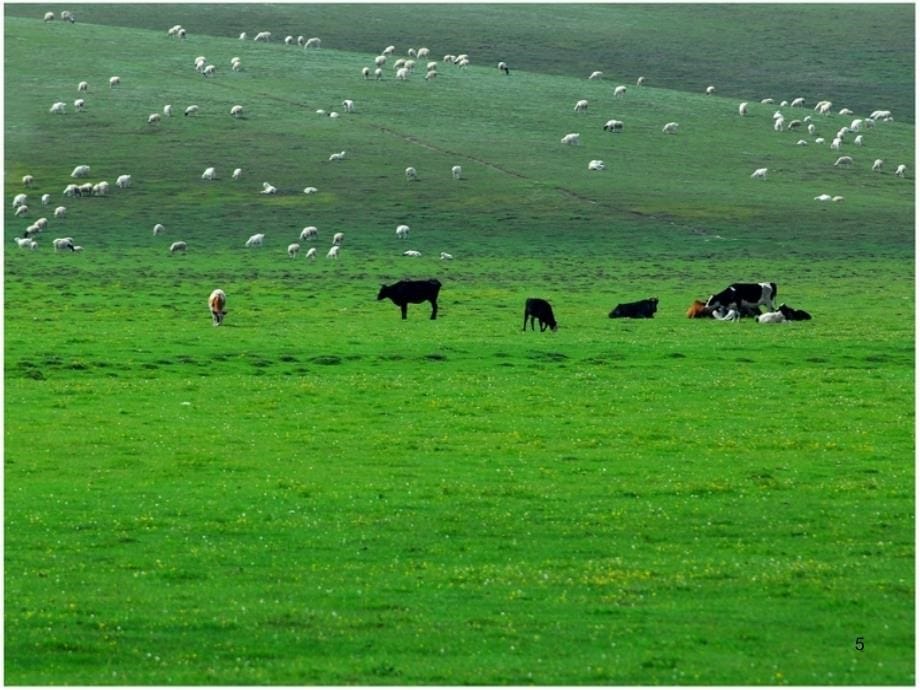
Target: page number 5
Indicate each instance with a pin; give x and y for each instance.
(860, 644)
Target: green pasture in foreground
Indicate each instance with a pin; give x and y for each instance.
(320, 493)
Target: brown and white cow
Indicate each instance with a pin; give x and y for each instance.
(217, 303)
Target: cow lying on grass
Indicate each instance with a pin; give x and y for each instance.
(643, 309)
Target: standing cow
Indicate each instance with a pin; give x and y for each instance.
(217, 303)
(744, 296)
(412, 291)
(539, 309)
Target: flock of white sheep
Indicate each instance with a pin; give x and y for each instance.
(404, 68)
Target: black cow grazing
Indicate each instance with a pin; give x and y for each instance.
(539, 309)
(744, 295)
(794, 314)
(414, 291)
(643, 309)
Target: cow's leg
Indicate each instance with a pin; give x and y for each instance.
(434, 309)
(404, 308)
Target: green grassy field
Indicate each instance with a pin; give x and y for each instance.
(320, 493)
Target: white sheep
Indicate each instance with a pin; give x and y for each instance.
(402, 232)
(21, 211)
(456, 172)
(858, 141)
(264, 36)
(293, 250)
(348, 105)
(153, 119)
(333, 252)
(446, 257)
(49, 16)
(101, 188)
(422, 53)
(843, 160)
(596, 74)
(114, 81)
(811, 128)
(571, 139)
(837, 198)
(178, 247)
(288, 40)
(378, 74)
(801, 142)
(268, 189)
(26, 242)
(366, 72)
(820, 140)
(46, 199)
(767, 101)
(209, 174)
(835, 144)
(596, 165)
(123, 181)
(743, 109)
(380, 61)
(83, 86)
(710, 90)
(877, 165)
(402, 73)
(311, 254)
(823, 197)
(670, 128)
(581, 106)
(411, 173)
(309, 233)
(62, 243)
(191, 110)
(167, 110)
(759, 174)
(255, 240)
(312, 43)
(236, 65)
(237, 173)
(503, 67)
(208, 70)
(614, 126)
(158, 229)
(310, 190)
(901, 170)
(58, 108)
(619, 91)
(301, 40)
(20, 200)
(60, 211)
(67, 16)
(389, 50)
(337, 238)
(337, 156)
(243, 36)
(79, 105)
(845, 111)
(778, 124)
(880, 115)
(236, 111)
(431, 74)
(640, 81)
(412, 252)
(85, 189)
(797, 103)
(27, 180)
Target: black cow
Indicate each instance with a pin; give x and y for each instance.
(414, 291)
(744, 295)
(539, 309)
(794, 314)
(643, 309)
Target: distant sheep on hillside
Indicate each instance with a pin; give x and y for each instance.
(670, 128)
(581, 106)
(209, 174)
(456, 172)
(572, 139)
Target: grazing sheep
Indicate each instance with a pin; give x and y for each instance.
(670, 128)
(843, 160)
(778, 124)
(21, 211)
(83, 86)
(766, 101)
(402, 73)
(378, 74)
(49, 16)
(412, 252)
(837, 198)
(801, 142)
(208, 70)
(309, 233)
(167, 110)
(333, 115)
(348, 105)
(901, 170)
(41, 224)
(58, 108)
(236, 65)
(337, 156)
(640, 81)
(153, 119)
(743, 109)
(27, 180)
(333, 252)
(60, 212)
(858, 141)
(431, 74)
(311, 254)
(337, 238)
(85, 189)
(503, 67)
(20, 200)
(797, 103)
(70, 190)
(835, 144)
(178, 247)
(62, 243)
(268, 189)
(446, 257)
(79, 105)
(236, 111)
(46, 199)
(310, 190)
(380, 61)
(158, 229)
(596, 165)
(402, 232)
(759, 174)
(67, 16)
(422, 53)
(456, 172)
(114, 81)
(237, 173)
(572, 139)
(619, 91)
(293, 250)
(191, 110)
(288, 40)
(366, 72)
(614, 126)
(811, 128)
(101, 188)
(411, 174)
(264, 36)
(881, 115)
(312, 43)
(123, 181)
(823, 197)
(877, 165)
(581, 106)
(243, 36)
(845, 111)
(26, 242)
(597, 74)
(255, 240)
(710, 90)
(389, 50)
(209, 174)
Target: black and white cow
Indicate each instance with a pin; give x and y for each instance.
(643, 309)
(744, 296)
(793, 314)
(412, 291)
(539, 309)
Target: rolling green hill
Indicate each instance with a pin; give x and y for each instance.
(320, 493)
